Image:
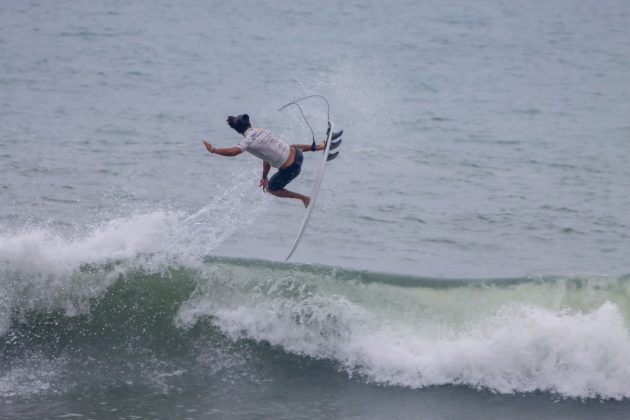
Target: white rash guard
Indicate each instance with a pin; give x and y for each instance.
(261, 143)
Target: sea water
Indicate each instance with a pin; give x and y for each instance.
(467, 256)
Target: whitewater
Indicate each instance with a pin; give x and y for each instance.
(565, 335)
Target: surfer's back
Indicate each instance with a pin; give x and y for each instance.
(261, 143)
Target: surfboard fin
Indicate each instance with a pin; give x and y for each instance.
(335, 144)
(331, 156)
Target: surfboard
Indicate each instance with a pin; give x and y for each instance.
(318, 182)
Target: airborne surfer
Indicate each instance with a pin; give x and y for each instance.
(274, 152)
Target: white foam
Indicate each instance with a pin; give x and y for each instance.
(516, 348)
(41, 270)
(41, 252)
(34, 374)
(520, 349)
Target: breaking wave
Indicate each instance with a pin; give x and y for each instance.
(64, 300)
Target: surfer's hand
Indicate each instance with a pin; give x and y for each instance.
(209, 147)
(321, 146)
(263, 183)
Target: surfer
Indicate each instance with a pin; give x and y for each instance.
(261, 143)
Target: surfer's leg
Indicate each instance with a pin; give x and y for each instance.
(281, 179)
(284, 193)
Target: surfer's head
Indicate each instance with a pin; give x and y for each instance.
(240, 123)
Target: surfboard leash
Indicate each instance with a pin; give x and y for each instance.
(296, 103)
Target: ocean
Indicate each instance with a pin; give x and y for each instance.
(467, 257)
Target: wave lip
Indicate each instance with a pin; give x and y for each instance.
(40, 270)
(44, 270)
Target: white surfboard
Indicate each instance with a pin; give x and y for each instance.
(311, 205)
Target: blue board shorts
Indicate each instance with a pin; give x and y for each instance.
(285, 175)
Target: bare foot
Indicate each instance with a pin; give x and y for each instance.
(306, 201)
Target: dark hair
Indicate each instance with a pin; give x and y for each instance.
(240, 123)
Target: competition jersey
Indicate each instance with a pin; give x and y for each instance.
(264, 145)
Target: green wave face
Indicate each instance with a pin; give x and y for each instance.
(167, 325)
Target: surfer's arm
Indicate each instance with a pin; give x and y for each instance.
(266, 169)
(223, 151)
(263, 179)
(307, 147)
